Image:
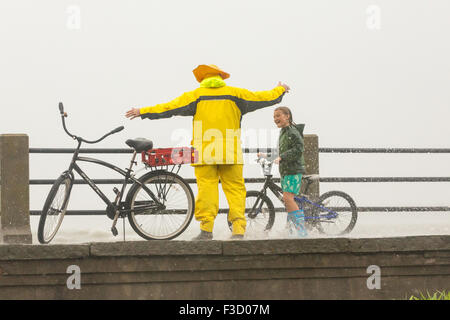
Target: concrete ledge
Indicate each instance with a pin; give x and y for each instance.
(158, 248)
(35, 252)
(287, 246)
(262, 269)
(239, 248)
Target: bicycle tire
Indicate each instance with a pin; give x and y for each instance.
(266, 219)
(152, 178)
(326, 220)
(47, 229)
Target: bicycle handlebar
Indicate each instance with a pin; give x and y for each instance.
(64, 115)
(61, 108)
(263, 161)
(118, 129)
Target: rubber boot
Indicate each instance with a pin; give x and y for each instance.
(297, 218)
(204, 235)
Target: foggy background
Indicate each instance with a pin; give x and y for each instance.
(362, 74)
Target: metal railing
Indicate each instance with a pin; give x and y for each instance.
(261, 180)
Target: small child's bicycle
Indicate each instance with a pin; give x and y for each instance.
(335, 212)
(159, 205)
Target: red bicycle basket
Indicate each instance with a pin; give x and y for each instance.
(169, 156)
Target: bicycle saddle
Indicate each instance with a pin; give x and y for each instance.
(140, 144)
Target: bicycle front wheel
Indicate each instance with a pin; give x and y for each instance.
(259, 213)
(336, 213)
(54, 209)
(161, 224)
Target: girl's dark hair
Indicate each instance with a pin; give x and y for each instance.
(287, 112)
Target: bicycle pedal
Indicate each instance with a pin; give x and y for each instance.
(114, 231)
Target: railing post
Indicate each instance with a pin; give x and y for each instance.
(14, 189)
(312, 163)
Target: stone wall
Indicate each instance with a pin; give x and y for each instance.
(240, 270)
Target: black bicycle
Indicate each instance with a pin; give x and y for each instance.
(159, 205)
(334, 213)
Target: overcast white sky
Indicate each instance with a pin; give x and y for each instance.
(362, 73)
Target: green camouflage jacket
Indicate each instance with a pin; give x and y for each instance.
(290, 150)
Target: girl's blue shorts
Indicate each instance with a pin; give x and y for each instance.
(291, 183)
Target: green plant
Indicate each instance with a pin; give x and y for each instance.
(438, 295)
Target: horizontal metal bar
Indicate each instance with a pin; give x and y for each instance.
(390, 209)
(255, 150)
(77, 181)
(74, 212)
(120, 181)
(385, 179)
(123, 150)
(384, 150)
(279, 209)
(402, 209)
(262, 180)
(82, 150)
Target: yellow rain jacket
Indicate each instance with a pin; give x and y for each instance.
(217, 110)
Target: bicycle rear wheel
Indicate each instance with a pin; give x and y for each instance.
(259, 213)
(54, 209)
(174, 193)
(336, 213)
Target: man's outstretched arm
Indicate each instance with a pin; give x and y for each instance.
(184, 105)
(251, 101)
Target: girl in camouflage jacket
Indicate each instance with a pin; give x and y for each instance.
(291, 164)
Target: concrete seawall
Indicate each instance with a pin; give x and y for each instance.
(260, 269)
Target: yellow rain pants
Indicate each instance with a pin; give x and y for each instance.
(207, 200)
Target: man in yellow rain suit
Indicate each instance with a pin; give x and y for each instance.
(217, 110)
